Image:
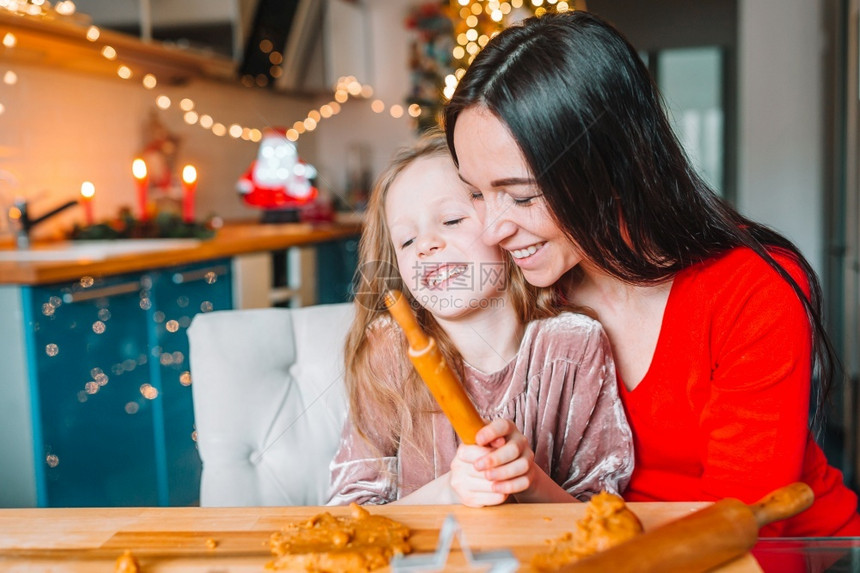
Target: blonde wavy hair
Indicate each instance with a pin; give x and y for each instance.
(400, 412)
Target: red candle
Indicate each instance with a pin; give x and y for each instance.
(189, 186)
(88, 190)
(138, 169)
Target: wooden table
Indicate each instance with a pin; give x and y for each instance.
(175, 539)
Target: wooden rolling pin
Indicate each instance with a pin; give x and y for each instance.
(702, 540)
(436, 373)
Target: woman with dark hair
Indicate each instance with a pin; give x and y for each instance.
(714, 320)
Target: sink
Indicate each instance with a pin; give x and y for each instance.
(94, 250)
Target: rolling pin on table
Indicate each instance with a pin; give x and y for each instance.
(703, 540)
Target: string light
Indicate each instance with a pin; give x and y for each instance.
(346, 88)
(65, 7)
(480, 20)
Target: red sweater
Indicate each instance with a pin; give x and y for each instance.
(723, 408)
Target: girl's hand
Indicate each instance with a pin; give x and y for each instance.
(469, 484)
(502, 463)
(509, 464)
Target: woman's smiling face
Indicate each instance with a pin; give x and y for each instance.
(436, 235)
(508, 200)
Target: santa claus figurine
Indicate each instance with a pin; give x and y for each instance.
(277, 178)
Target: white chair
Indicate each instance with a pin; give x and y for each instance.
(269, 402)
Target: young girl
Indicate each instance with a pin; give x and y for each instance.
(544, 377)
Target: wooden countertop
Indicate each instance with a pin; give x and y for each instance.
(174, 539)
(231, 240)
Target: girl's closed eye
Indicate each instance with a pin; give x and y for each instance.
(476, 196)
(406, 243)
(453, 222)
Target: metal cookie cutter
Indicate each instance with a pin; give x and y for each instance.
(499, 561)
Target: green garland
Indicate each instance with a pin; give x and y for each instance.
(126, 226)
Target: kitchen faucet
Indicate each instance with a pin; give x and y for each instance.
(19, 212)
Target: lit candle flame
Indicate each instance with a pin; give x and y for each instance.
(138, 169)
(189, 174)
(88, 190)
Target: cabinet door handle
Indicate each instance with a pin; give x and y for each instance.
(112, 290)
(209, 275)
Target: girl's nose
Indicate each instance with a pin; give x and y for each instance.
(428, 243)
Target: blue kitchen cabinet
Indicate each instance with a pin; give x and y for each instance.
(336, 264)
(179, 294)
(110, 389)
(92, 423)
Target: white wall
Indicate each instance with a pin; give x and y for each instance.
(62, 128)
(389, 75)
(780, 171)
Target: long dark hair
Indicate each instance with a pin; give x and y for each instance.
(590, 123)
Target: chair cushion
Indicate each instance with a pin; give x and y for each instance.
(269, 402)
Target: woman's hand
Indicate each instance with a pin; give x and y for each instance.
(501, 463)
